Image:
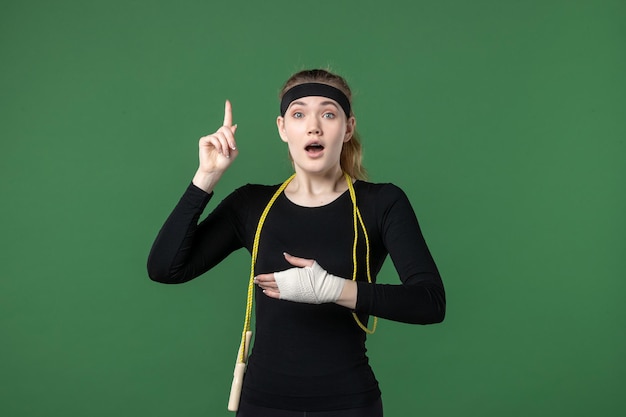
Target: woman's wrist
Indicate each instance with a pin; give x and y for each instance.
(206, 181)
(348, 295)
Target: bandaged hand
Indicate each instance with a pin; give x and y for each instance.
(304, 284)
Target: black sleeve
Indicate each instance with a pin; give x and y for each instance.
(420, 298)
(184, 249)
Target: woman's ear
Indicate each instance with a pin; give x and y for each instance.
(280, 124)
(350, 127)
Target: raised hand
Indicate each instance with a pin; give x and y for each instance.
(216, 152)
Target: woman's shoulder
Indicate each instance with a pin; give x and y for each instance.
(246, 202)
(257, 189)
(384, 190)
(251, 193)
(382, 199)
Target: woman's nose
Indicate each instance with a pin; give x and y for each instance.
(314, 130)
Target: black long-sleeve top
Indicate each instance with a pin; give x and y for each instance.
(308, 357)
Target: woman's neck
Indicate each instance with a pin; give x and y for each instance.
(312, 190)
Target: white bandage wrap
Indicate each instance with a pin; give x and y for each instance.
(312, 285)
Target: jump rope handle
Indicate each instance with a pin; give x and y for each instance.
(240, 370)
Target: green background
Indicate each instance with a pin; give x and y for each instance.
(504, 122)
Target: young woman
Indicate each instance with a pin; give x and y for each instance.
(318, 242)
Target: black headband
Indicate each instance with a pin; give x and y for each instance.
(314, 89)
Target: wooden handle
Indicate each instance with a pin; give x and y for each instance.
(235, 388)
(240, 370)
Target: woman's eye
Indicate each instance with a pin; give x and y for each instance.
(298, 115)
(329, 115)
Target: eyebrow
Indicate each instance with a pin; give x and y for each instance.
(323, 103)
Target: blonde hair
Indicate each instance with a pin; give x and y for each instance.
(351, 159)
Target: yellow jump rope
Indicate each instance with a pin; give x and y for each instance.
(246, 337)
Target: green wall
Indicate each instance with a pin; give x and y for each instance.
(504, 121)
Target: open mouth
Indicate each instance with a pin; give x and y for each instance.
(314, 148)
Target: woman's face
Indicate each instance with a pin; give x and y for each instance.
(315, 128)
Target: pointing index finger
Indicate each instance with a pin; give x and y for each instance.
(228, 114)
